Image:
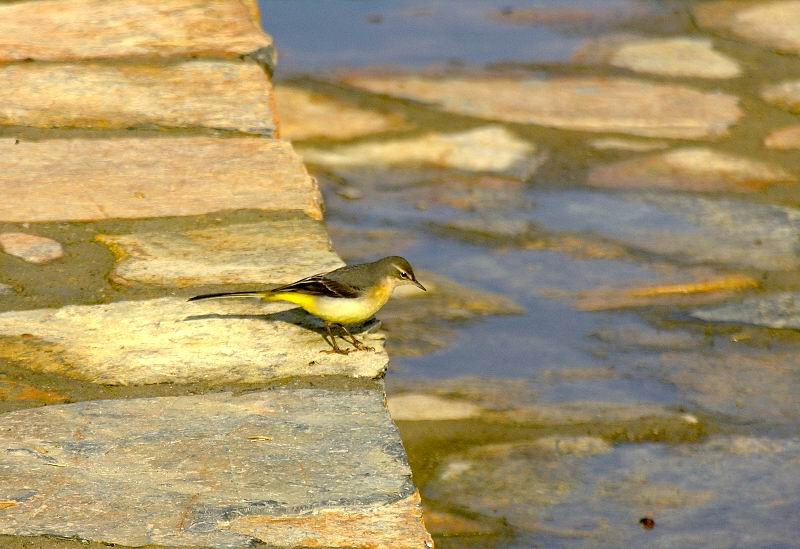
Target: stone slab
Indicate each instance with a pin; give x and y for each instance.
(209, 93)
(592, 104)
(169, 340)
(697, 169)
(72, 30)
(305, 114)
(771, 24)
(286, 467)
(676, 56)
(90, 179)
(483, 149)
(272, 252)
(778, 310)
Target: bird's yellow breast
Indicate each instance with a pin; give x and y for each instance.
(341, 310)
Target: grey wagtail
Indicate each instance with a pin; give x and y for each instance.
(348, 295)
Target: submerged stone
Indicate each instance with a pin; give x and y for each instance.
(784, 138)
(59, 30)
(692, 229)
(592, 104)
(270, 252)
(168, 340)
(305, 114)
(771, 24)
(91, 179)
(31, 248)
(236, 95)
(777, 310)
(677, 56)
(483, 149)
(286, 467)
(785, 95)
(691, 169)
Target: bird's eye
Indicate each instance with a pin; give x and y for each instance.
(403, 274)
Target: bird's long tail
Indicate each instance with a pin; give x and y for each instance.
(224, 295)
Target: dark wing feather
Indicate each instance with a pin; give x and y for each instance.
(319, 285)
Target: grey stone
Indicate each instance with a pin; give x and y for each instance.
(689, 228)
(287, 467)
(777, 310)
(168, 340)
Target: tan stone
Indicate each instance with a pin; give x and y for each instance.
(576, 103)
(61, 30)
(171, 341)
(86, 179)
(614, 143)
(690, 169)
(678, 56)
(210, 93)
(784, 138)
(272, 252)
(304, 114)
(772, 24)
(422, 407)
(484, 149)
(30, 247)
(785, 95)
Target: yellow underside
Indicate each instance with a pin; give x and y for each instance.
(337, 309)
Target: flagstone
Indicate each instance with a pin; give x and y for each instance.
(30, 247)
(285, 467)
(595, 104)
(483, 149)
(233, 95)
(276, 252)
(770, 24)
(305, 114)
(676, 56)
(71, 30)
(169, 340)
(690, 169)
(90, 179)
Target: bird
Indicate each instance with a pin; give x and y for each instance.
(348, 295)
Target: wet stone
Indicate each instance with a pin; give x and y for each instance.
(236, 95)
(678, 56)
(784, 138)
(778, 310)
(699, 495)
(770, 24)
(692, 169)
(422, 407)
(693, 229)
(60, 30)
(90, 179)
(287, 467)
(169, 340)
(613, 143)
(785, 95)
(6, 289)
(305, 114)
(270, 252)
(484, 149)
(31, 248)
(592, 104)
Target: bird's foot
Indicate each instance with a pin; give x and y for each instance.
(361, 347)
(337, 351)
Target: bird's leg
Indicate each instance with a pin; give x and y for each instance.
(356, 343)
(336, 349)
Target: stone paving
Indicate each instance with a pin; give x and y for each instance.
(143, 127)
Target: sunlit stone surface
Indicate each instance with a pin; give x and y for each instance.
(139, 95)
(772, 24)
(61, 30)
(89, 179)
(170, 340)
(271, 252)
(286, 467)
(594, 104)
(30, 247)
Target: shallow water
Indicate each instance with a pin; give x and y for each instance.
(583, 338)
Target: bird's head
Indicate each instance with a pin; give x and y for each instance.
(398, 270)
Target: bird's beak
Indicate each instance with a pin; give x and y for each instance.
(418, 285)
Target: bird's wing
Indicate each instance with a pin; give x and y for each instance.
(319, 285)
